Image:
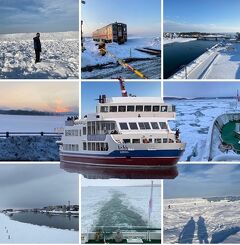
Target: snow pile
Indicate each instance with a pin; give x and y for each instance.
(226, 66)
(29, 148)
(16, 232)
(178, 40)
(215, 222)
(91, 55)
(60, 56)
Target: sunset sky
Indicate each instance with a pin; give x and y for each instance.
(41, 96)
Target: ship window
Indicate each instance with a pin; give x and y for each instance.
(123, 126)
(156, 108)
(121, 108)
(105, 146)
(84, 131)
(150, 140)
(139, 108)
(163, 125)
(147, 108)
(141, 125)
(163, 108)
(136, 141)
(89, 146)
(126, 141)
(147, 126)
(93, 146)
(158, 141)
(133, 126)
(144, 125)
(113, 108)
(130, 108)
(84, 146)
(154, 125)
(80, 133)
(165, 140)
(98, 146)
(104, 109)
(173, 108)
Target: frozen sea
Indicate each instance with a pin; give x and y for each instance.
(194, 117)
(12, 231)
(60, 56)
(22, 123)
(112, 206)
(196, 220)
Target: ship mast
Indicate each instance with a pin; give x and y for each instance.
(122, 87)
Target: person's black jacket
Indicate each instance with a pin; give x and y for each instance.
(37, 44)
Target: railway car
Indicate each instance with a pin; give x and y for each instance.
(115, 32)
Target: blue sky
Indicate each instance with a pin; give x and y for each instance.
(91, 91)
(142, 17)
(204, 180)
(203, 16)
(201, 89)
(20, 16)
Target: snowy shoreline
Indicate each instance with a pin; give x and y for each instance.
(16, 232)
(177, 40)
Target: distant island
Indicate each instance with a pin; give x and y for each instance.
(35, 113)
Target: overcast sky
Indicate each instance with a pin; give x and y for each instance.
(118, 182)
(41, 96)
(142, 17)
(201, 89)
(204, 180)
(21, 16)
(36, 185)
(201, 16)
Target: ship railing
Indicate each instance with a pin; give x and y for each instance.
(107, 233)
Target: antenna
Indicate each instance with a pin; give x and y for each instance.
(122, 87)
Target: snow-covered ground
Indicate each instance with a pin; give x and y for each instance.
(60, 56)
(194, 117)
(91, 55)
(219, 222)
(16, 232)
(226, 65)
(135, 198)
(178, 40)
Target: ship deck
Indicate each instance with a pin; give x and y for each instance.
(230, 137)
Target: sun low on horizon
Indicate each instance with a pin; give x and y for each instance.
(48, 97)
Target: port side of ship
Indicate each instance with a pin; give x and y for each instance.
(124, 132)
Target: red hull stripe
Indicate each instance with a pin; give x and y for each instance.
(120, 162)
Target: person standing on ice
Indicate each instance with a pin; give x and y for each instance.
(37, 47)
